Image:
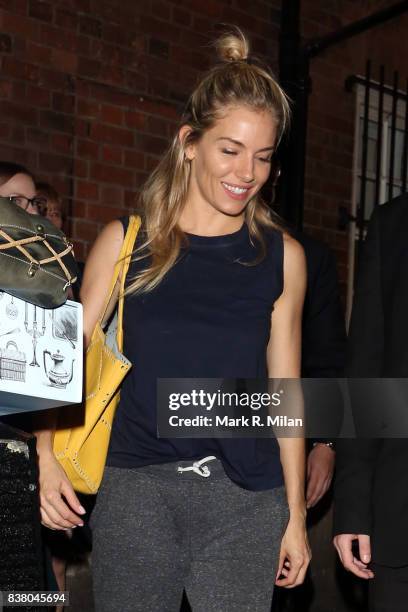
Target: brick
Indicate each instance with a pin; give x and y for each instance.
(135, 120)
(38, 53)
(63, 103)
(70, 41)
(153, 144)
(19, 112)
(112, 74)
(111, 134)
(17, 135)
(112, 155)
(63, 143)
(88, 148)
(38, 96)
(137, 82)
(4, 131)
(80, 168)
(181, 17)
(157, 126)
(111, 174)
(111, 114)
(55, 80)
(21, 70)
(55, 163)
(82, 127)
(6, 88)
(111, 196)
(134, 159)
(21, 25)
(37, 137)
(64, 61)
(78, 209)
(57, 121)
(105, 213)
(106, 94)
(210, 8)
(90, 26)
(88, 108)
(6, 44)
(164, 31)
(38, 9)
(86, 190)
(131, 199)
(161, 10)
(159, 48)
(85, 230)
(66, 19)
(89, 67)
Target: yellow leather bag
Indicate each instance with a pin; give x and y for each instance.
(82, 438)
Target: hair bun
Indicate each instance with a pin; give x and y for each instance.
(233, 46)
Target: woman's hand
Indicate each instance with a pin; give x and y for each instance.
(294, 555)
(59, 506)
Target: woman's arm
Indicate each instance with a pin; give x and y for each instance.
(60, 507)
(284, 357)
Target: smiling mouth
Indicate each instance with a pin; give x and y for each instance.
(236, 190)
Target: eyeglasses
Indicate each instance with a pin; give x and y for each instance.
(37, 203)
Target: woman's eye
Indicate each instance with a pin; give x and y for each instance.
(266, 160)
(229, 152)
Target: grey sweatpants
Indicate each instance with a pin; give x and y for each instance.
(157, 531)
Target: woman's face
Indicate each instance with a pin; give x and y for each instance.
(54, 213)
(21, 185)
(232, 160)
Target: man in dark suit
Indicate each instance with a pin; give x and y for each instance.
(371, 490)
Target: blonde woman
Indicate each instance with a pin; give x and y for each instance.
(215, 290)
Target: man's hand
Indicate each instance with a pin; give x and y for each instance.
(320, 468)
(343, 544)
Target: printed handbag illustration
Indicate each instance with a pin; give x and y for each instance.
(82, 450)
(12, 363)
(36, 260)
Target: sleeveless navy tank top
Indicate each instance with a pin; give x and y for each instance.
(208, 318)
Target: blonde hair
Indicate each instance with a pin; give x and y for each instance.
(236, 80)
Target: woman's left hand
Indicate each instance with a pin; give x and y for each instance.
(294, 555)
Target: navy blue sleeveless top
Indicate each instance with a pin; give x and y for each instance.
(208, 318)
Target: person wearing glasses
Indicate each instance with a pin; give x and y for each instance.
(17, 184)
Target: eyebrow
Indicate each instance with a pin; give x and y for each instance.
(240, 144)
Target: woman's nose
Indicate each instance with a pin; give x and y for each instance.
(245, 170)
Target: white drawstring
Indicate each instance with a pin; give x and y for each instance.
(196, 467)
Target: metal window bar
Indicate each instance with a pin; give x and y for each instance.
(404, 170)
(364, 158)
(393, 134)
(379, 135)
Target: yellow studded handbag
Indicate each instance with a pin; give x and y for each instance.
(81, 447)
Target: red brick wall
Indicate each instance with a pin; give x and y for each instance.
(332, 109)
(90, 92)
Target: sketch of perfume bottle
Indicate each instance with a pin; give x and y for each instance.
(12, 310)
(58, 375)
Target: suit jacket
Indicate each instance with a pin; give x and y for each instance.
(371, 487)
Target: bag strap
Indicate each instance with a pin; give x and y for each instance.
(119, 273)
(128, 248)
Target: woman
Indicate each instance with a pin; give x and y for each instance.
(17, 182)
(53, 208)
(210, 267)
